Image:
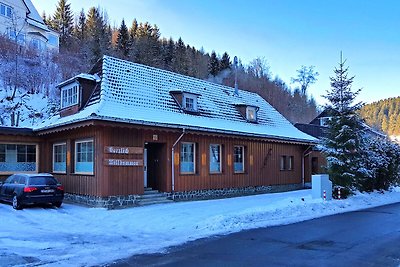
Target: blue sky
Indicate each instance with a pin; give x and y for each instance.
(287, 33)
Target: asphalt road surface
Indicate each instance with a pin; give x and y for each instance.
(363, 238)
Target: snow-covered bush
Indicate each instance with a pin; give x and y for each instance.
(381, 158)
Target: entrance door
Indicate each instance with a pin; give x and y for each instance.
(155, 163)
(145, 166)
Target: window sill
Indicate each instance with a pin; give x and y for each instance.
(216, 173)
(187, 173)
(83, 173)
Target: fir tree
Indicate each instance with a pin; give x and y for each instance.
(63, 23)
(225, 62)
(80, 30)
(123, 40)
(214, 65)
(342, 146)
(180, 62)
(99, 34)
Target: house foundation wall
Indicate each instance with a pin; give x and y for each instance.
(113, 202)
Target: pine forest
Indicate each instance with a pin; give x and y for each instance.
(383, 115)
(87, 36)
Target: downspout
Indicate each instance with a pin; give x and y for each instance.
(305, 154)
(173, 162)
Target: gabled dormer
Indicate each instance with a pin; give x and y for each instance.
(188, 102)
(248, 112)
(76, 92)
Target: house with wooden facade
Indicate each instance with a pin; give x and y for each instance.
(124, 127)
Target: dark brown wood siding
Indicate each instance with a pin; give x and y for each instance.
(262, 160)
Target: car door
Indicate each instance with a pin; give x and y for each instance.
(7, 187)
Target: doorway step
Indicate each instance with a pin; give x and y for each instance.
(151, 197)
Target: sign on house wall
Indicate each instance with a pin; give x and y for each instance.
(123, 150)
(118, 150)
(124, 162)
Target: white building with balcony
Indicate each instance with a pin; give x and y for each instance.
(20, 21)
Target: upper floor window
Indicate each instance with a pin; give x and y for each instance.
(69, 95)
(6, 10)
(324, 121)
(251, 114)
(190, 102)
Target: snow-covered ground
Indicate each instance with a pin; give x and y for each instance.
(78, 236)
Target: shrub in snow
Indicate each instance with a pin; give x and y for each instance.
(381, 158)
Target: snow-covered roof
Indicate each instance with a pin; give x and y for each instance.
(139, 94)
(85, 76)
(32, 16)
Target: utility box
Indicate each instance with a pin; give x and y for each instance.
(321, 182)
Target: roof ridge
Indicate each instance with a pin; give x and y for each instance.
(105, 57)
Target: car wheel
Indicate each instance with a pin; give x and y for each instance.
(16, 204)
(57, 204)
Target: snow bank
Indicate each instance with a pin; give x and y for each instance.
(80, 236)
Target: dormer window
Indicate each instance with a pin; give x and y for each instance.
(186, 101)
(248, 112)
(251, 114)
(69, 95)
(190, 102)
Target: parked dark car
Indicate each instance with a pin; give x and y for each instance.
(24, 189)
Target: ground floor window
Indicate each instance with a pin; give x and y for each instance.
(187, 161)
(287, 163)
(60, 158)
(238, 162)
(215, 158)
(84, 151)
(18, 158)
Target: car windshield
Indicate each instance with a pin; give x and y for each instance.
(41, 180)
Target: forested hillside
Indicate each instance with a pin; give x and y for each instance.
(86, 37)
(383, 115)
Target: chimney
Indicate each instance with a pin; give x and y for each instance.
(235, 64)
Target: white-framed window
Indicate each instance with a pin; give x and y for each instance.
(238, 159)
(6, 10)
(286, 163)
(188, 158)
(84, 156)
(290, 163)
(324, 121)
(69, 95)
(38, 44)
(215, 158)
(283, 163)
(251, 114)
(18, 158)
(189, 102)
(19, 38)
(60, 157)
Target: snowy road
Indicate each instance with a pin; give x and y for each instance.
(362, 238)
(80, 236)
